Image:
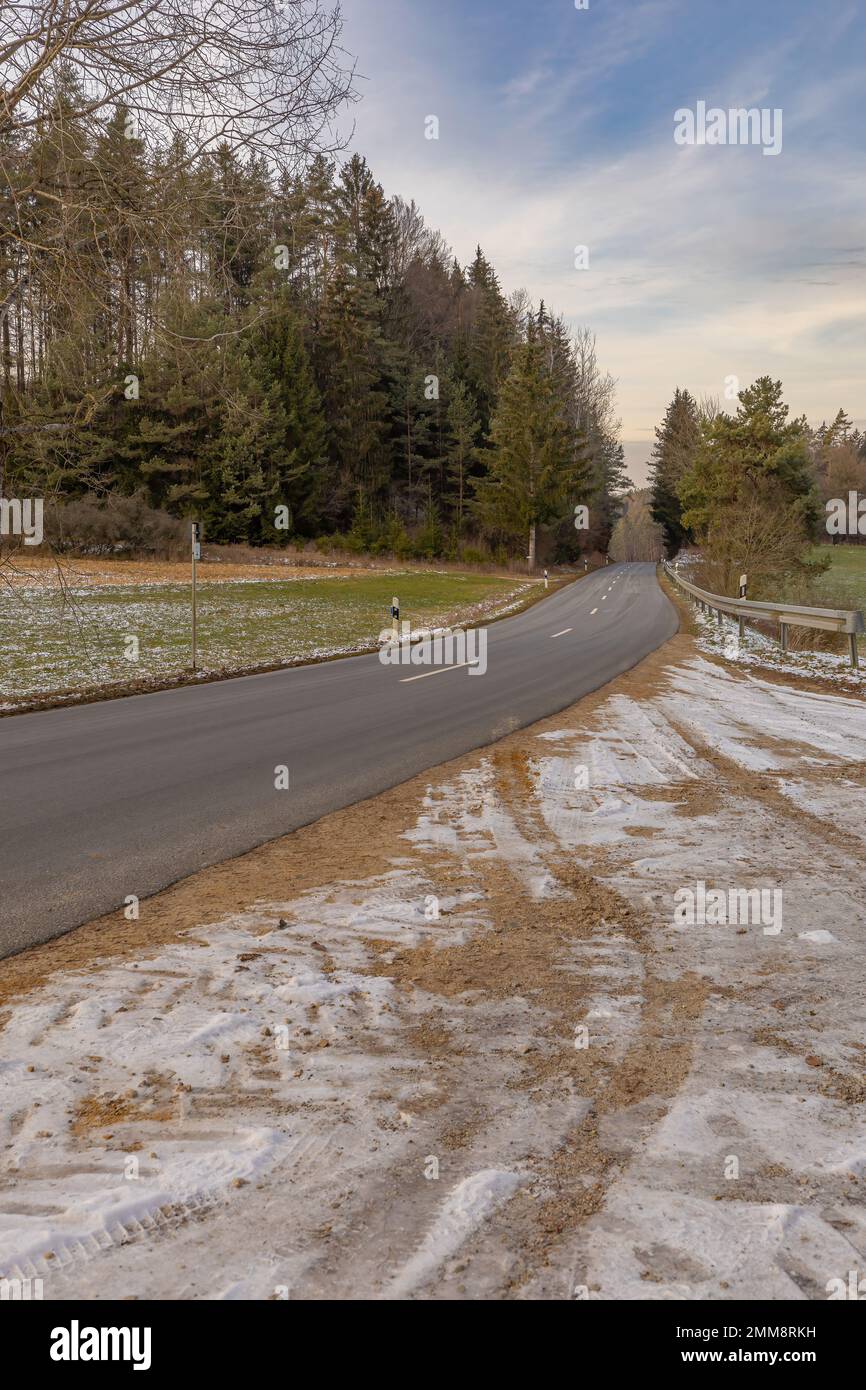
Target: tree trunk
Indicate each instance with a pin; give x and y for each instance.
(532, 547)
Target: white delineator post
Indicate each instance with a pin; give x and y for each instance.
(744, 582)
(395, 616)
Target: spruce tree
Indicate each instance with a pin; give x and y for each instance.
(677, 440)
(463, 429)
(491, 337)
(534, 463)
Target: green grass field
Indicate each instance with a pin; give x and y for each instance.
(845, 580)
(52, 644)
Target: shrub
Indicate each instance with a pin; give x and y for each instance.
(124, 526)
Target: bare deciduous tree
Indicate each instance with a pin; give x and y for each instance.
(636, 536)
(267, 74)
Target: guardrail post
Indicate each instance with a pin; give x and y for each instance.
(824, 619)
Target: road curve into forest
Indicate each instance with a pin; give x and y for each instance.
(127, 796)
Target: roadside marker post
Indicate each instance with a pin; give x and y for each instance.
(546, 583)
(743, 586)
(196, 555)
(395, 616)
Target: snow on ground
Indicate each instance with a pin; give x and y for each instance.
(91, 636)
(500, 1066)
(757, 649)
(156, 1087)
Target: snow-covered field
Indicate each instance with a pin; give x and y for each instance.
(92, 635)
(492, 1063)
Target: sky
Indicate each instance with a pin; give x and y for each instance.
(706, 262)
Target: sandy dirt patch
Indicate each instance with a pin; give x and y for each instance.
(45, 571)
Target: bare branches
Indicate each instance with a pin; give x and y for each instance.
(263, 75)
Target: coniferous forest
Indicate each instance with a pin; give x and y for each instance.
(283, 353)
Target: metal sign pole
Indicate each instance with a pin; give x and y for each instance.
(196, 554)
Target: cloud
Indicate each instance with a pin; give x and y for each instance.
(557, 130)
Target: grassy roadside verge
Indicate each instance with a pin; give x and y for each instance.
(69, 650)
(816, 669)
(846, 577)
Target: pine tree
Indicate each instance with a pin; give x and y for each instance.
(491, 338)
(463, 429)
(166, 432)
(750, 495)
(757, 450)
(415, 425)
(270, 450)
(677, 440)
(349, 352)
(610, 487)
(534, 458)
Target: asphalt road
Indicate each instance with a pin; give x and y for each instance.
(127, 796)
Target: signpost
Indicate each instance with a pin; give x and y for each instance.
(196, 555)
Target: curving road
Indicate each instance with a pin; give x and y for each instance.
(129, 795)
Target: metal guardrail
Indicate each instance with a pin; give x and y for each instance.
(786, 615)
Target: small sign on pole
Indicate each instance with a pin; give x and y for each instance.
(743, 582)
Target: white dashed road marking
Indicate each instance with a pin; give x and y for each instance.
(438, 672)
